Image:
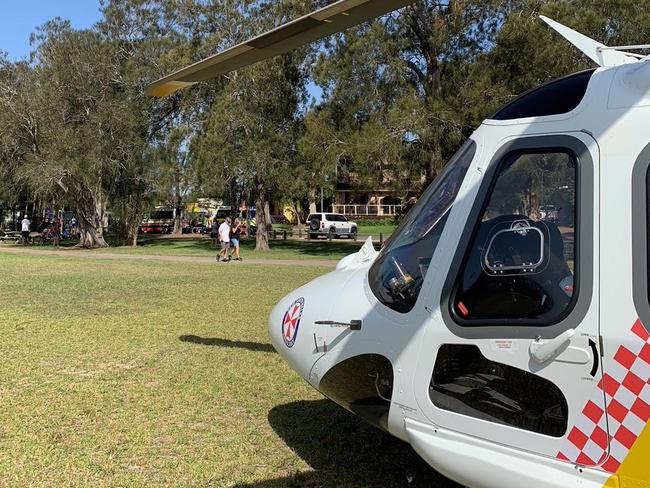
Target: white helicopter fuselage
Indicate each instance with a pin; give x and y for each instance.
(558, 403)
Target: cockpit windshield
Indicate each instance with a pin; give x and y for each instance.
(396, 276)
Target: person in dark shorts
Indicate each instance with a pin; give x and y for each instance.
(224, 237)
(56, 231)
(235, 237)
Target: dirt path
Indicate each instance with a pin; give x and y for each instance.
(77, 253)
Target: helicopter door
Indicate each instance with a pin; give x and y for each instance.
(516, 361)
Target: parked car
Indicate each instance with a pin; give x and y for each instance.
(549, 212)
(158, 221)
(331, 225)
(279, 219)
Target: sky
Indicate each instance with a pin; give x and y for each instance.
(20, 18)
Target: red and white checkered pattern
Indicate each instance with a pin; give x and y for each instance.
(627, 391)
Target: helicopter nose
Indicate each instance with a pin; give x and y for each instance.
(292, 328)
(288, 327)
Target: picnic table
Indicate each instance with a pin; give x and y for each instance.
(11, 235)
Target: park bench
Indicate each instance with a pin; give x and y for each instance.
(10, 236)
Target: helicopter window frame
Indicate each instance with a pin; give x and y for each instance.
(640, 236)
(516, 328)
(504, 166)
(462, 161)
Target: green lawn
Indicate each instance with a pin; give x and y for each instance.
(127, 373)
(375, 229)
(201, 246)
(290, 249)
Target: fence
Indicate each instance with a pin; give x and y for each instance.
(367, 210)
(285, 235)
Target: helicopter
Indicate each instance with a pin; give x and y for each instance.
(504, 329)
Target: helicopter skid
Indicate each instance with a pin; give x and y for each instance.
(479, 464)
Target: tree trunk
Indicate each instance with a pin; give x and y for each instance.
(267, 213)
(91, 224)
(294, 208)
(130, 232)
(178, 209)
(262, 237)
(131, 217)
(312, 201)
(178, 216)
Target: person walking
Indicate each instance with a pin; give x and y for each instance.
(224, 237)
(214, 232)
(235, 238)
(56, 231)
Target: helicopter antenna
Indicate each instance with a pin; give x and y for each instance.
(334, 18)
(596, 51)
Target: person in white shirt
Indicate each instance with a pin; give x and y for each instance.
(25, 224)
(224, 238)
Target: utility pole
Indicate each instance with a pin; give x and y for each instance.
(321, 200)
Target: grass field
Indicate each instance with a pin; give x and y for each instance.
(202, 247)
(290, 249)
(128, 373)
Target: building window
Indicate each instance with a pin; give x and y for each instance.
(521, 262)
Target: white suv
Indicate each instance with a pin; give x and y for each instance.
(330, 225)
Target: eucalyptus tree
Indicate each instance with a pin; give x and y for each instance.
(93, 126)
(396, 91)
(20, 132)
(528, 53)
(248, 131)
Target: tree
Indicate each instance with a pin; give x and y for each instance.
(248, 133)
(396, 88)
(20, 133)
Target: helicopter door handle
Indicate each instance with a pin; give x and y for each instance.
(353, 324)
(543, 351)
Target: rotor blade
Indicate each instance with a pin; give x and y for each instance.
(596, 51)
(329, 20)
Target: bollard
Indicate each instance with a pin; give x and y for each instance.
(284, 236)
(381, 240)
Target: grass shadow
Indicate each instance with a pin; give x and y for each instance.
(344, 451)
(217, 342)
(315, 248)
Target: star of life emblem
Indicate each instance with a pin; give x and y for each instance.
(291, 322)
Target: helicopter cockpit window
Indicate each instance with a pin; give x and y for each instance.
(521, 262)
(396, 276)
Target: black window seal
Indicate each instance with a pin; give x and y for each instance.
(469, 147)
(498, 115)
(640, 238)
(583, 259)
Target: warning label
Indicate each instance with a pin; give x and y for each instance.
(504, 345)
